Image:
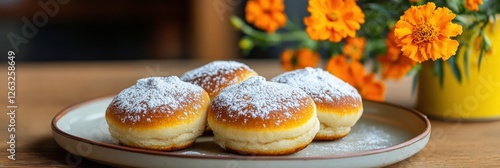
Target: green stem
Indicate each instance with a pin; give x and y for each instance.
(274, 37)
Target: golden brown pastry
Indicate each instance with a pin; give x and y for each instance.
(257, 117)
(339, 104)
(160, 113)
(217, 75)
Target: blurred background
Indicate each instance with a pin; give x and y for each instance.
(74, 30)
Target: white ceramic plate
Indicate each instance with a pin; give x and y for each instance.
(384, 135)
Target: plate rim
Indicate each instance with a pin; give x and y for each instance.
(409, 142)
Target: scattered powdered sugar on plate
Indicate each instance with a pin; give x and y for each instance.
(190, 152)
(363, 138)
(367, 135)
(160, 94)
(217, 74)
(319, 84)
(256, 98)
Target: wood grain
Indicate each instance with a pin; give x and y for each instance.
(44, 89)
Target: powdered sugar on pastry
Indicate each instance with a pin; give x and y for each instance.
(257, 98)
(217, 75)
(159, 94)
(322, 86)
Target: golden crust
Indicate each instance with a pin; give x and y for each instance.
(336, 123)
(213, 85)
(266, 142)
(258, 117)
(173, 147)
(300, 115)
(346, 106)
(152, 118)
(288, 151)
(330, 137)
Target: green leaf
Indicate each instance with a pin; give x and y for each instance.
(381, 9)
(481, 54)
(462, 20)
(452, 4)
(414, 83)
(494, 18)
(438, 71)
(485, 46)
(415, 70)
(454, 68)
(474, 24)
(308, 43)
(466, 61)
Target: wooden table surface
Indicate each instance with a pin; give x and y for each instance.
(44, 89)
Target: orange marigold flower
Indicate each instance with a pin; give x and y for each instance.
(333, 19)
(354, 74)
(354, 47)
(424, 33)
(395, 69)
(302, 58)
(394, 64)
(267, 15)
(473, 5)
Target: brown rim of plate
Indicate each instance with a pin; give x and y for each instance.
(237, 157)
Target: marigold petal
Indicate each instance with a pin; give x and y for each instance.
(427, 11)
(252, 10)
(335, 37)
(324, 33)
(252, 6)
(473, 5)
(277, 5)
(442, 16)
(286, 59)
(338, 66)
(406, 40)
(411, 16)
(334, 4)
(402, 32)
(357, 72)
(422, 52)
(451, 50)
(279, 18)
(353, 25)
(438, 45)
(265, 4)
(373, 90)
(262, 22)
(428, 50)
(412, 52)
(451, 30)
(307, 58)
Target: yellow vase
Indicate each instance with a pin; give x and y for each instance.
(476, 98)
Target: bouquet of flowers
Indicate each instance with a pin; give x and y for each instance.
(392, 36)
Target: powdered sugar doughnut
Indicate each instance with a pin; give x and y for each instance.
(339, 104)
(263, 118)
(217, 75)
(161, 113)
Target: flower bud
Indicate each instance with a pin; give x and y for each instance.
(236, 22)
(246, 43)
